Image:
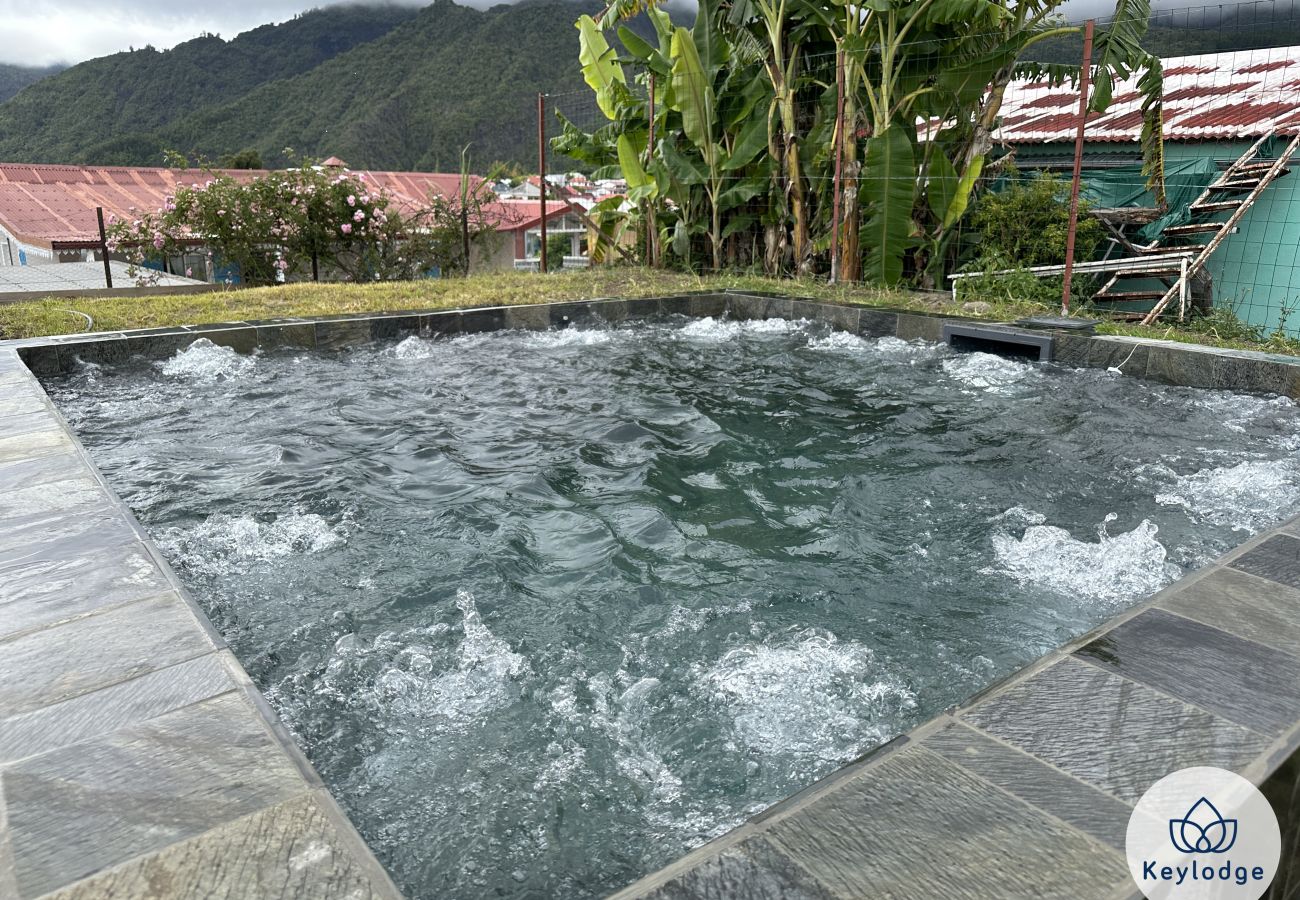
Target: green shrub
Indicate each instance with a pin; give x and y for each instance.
(1027, 222)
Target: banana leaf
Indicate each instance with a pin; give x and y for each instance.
(888, 186)
(600, 68)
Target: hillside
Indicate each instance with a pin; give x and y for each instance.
(14, 78)
(386, 87)
(451, 76)
(106, 110)
(382, 87)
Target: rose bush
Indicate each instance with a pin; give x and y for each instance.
(306, 222)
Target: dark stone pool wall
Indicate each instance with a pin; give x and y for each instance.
(1168, 362)
(137, 759)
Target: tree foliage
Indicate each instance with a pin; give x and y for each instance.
(305, 221)
(746, 139)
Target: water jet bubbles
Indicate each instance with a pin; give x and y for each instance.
(205, 361)
(1113, 570)
(1244, 497)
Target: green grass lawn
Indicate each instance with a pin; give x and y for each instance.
(40, 318)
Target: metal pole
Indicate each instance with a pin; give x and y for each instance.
(1084, 71)
(541, 166)
(103, 247)
(839, 165)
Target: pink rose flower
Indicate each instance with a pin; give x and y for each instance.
(346, 228)
(358, 216)
(352, 200)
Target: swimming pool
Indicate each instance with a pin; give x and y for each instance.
(547, 609)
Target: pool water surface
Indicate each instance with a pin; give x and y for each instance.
(548, 609)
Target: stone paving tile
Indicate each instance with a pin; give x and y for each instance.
(1246, 605)
(752, 869)
(290, 850)
(79, 491)
(38, 588)
(1069, 799)
(79, 810)
(917, 826)
(1243, 681)
(18, 447)
(1108, 731)
(19, 404)
(42, 469)
(1277, 559)
(108, 709)
(54, 664)
(24, 423)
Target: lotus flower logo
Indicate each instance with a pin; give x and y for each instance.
(1203, 830)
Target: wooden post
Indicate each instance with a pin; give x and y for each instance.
(1084, 72)
(464, 233)
(836, 237)
(541, 167)
(103, 247)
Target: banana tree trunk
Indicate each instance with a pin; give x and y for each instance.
(850, 245)
(775, 244)
(795, 186)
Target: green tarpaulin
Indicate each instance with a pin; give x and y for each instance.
(1126, 186)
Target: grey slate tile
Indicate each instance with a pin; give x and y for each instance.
(473, 321)
(109, 709)
(531, 318)
(43, 582)
(841, 318)
(1245, 605)
(340, 334)
(292, 334)
(58, 663)
(915, 825)
(1071, 349)
(77, 492)
(1243, 681)
(394, 327)
(714, 305)
(643, 308)
(913, 327)
(1113, 733)
(22, 423)
(440, 323)
(877, 323)
(292, 850)
(81, 809)
(753, 869)
(42, 469)
(1277, 559)
(19, 403)
(1174, 365)
(14, 448)
(1066, 798)
(1233, 373)
(1129, 357)
(609, 310)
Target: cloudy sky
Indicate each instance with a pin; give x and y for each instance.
(40, 32)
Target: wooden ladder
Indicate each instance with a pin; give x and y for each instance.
(1248, 174)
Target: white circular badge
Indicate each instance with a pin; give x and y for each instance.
(1203, 833)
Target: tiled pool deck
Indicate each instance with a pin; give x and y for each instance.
(137, 760)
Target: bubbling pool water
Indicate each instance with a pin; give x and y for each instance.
(548, 609)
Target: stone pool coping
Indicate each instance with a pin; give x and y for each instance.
(136, 757)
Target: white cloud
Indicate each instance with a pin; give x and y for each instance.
(69, 31)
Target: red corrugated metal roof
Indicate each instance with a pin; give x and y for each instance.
(51, 206)
(1207, 97)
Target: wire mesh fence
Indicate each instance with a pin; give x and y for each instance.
(793, 172)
